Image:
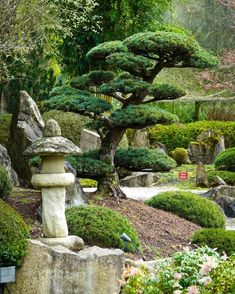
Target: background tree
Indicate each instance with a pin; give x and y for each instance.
(135, 62)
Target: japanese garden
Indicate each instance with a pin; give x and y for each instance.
(117, 147)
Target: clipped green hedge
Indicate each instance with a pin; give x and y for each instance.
(180, 135)
(138, 159)
(101, 226)
(223, 240)
(226, 160)
(5, 122)
(71, 124)
(227, 176)
(5, 183)
(13, 236)
(190, 206)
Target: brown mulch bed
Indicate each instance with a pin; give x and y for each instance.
(161, 233)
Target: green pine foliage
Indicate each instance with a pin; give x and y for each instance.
(88, 165)
(226, 160)
(190, 206)
(81, 102)
(138, 159)
(227, 176)
(105, 49)
(181, 135)
(101, 226)
(223, 240)
(93, 78)
(5, 183)
(166, 92)
(175, 47)
(13, 236)
(139, 116)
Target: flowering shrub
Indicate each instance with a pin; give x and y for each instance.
(200, 271)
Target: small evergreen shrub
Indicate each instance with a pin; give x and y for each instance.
(223, 240)
(227, 176)
(5, 183)
(226, 160)
(13, 236)
(101, 226)
(179, 135)
(190, 206)
(71, 124)
(138, 159)
(180, 155)
(5, 122)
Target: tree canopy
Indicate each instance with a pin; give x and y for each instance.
(126, 73)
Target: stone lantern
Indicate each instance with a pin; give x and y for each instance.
(52, 180)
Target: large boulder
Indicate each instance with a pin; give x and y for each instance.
(89, 140)
(5, 161)
(206, 147)
(225, 197)
(74, 193)
(140, 179)
(26, 126)
(201, 177)
(58, 270)
(139, 138)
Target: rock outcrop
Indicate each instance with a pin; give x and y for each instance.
(5, 161)
(225, 197)
(206, 147)
(26, 126)
(58, 270)
(140, 179)
(201, 177)
(139, 138)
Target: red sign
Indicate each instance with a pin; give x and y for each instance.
(183, 175)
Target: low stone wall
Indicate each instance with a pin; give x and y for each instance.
(58, 270)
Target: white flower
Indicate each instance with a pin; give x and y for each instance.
(205, 281)
(178, 276)
(177, 292)
(208, 265)
(193, 290)
(224, 256)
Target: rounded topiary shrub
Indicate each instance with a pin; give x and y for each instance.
(5, 183)
(180, 155)
(138, 159)
(13, 236)
(101, 226)
(190, 206)
(227, 176)
(223, 240)
(226, 160)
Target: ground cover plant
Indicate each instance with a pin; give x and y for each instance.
(223, 240)
(101, 226)
(5, 121)
(190, 206)
(201, 270)
(133, 65)
(13, 236)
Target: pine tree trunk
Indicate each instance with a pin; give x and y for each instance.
(110, 185)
